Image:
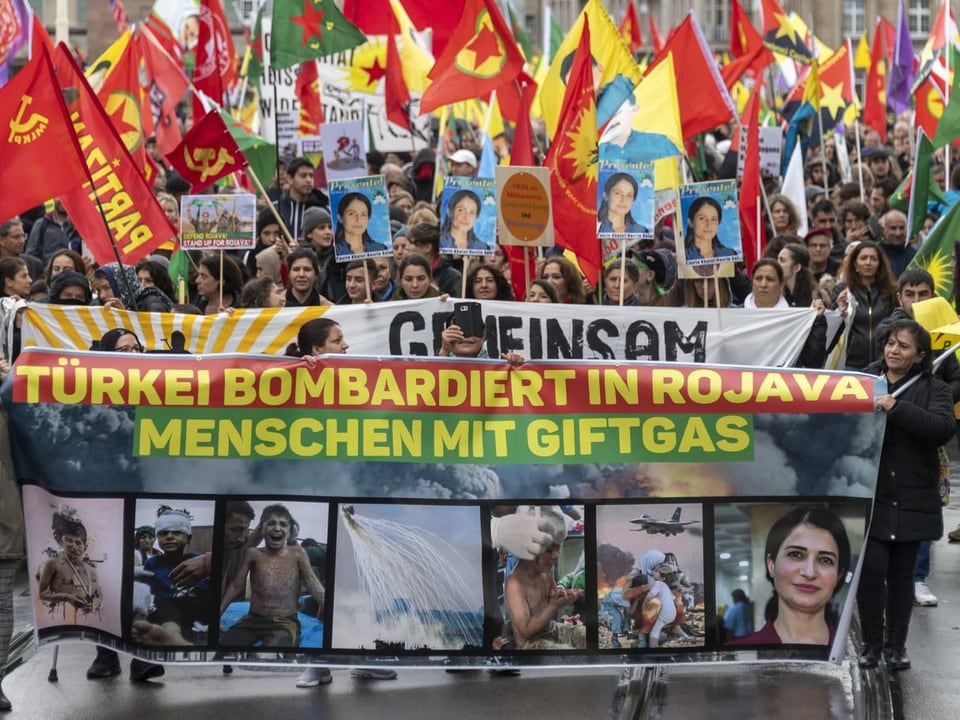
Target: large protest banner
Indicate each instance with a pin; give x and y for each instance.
(413, 327)
(433, 511)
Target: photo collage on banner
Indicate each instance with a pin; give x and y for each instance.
(468, 216)
(218, 222)
(356, 581)
(361, 218)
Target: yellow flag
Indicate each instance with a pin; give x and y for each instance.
(100, 68)
(611, 56)
(417, 60)
(861, 59)
(658, 108)
(811, 90)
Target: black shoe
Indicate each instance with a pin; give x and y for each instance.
(4, 703)
(227, 669)
(141, 670)
(896, 659)
(106, 663)
(870, 657)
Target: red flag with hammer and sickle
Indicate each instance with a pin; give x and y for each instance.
(208, 152)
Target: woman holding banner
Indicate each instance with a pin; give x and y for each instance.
(906, 507)
(807, 556)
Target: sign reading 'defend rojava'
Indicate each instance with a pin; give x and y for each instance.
(422, 511)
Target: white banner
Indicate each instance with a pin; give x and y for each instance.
(730, 336)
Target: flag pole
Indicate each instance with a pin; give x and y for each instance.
(220, 306)
(291, 243)
(856, 129)
(623, 269)
(366, 281)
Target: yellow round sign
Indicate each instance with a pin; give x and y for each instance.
(525, 207)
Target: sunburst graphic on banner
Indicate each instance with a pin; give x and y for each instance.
(368, 68)
(582, 145)
(939, 268)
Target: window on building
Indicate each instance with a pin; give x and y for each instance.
(918, 17)
(854, 18)
(717, 24)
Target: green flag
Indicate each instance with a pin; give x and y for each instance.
(918, 187)
(937, 250)
(516, 27)
(303, 30)
(261, 155)
(179, 271)
(255, 50)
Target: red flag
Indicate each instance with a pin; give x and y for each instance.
(166, 85)
(308, 93)
(215, 69)
(508, 96)
(522, 154)
(711, 104)
(875, 91)
(480, 57)
(630, 28)
(572, 160)
(208, 152)
(745, 40)
(944, 28)
(373, 17)
(39, 37)
(655, 37)
(125, 100)
(396, 94)
(929, 104)
(136, 223)
(751, 228)
(757, 59)
(36, 125)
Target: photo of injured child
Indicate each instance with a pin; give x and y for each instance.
(75, 556)
(543, 595)
(169, 611)
(650, 588)
(276, 597)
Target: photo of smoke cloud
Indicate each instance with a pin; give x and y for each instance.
(408, 578)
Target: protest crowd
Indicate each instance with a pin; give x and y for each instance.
(858, 219)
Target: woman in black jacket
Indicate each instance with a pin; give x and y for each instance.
(868, 279)
(906, 508)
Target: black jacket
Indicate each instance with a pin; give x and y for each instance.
(907, 504)
(871, 309)
(948, 370)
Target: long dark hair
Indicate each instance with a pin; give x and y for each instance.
(604, 211)
(804, 283)
(818, 517)
(689, 238)
(313, 332)
(504, 289)
(884, 282)
(455, 199)
(341, 234)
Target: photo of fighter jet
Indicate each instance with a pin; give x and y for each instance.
(653, 526)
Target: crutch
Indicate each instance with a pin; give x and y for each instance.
(52, 675)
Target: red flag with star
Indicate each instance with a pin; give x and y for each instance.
(746, 40)
(481, 56)
(396, 94)
(309, 30)
(215, 69)
(373, 17)
(208, 152)
(630, 27)
(120, 201)
(125, 99)
(779, 34)
(308, 93)
(572, 160)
